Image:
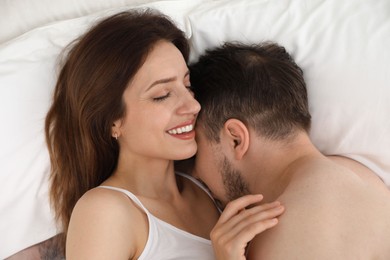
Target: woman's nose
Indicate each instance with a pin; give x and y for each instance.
(189, 104)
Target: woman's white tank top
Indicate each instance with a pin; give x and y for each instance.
(167, 242)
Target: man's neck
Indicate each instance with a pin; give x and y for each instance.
(275, 163)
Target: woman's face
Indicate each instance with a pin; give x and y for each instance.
(160, 108)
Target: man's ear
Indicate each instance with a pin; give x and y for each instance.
(237, 135)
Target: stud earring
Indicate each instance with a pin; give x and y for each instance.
(116, 136)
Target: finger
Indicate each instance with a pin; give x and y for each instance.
(260, 207)
(256, 217)
(224, 228)
(244, 213)
(269, 210)
(250, 231)
(235, 206)
(240, 241)
(229, 230)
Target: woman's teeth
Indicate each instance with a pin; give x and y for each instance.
(181, 130)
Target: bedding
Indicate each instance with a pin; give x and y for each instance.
(342, 47)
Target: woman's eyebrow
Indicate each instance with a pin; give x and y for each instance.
(165, 80)
(161, 81)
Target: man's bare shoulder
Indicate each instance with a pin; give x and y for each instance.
(330, 214)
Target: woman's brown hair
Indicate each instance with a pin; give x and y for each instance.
(88, 99)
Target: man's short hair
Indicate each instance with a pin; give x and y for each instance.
(260, 85)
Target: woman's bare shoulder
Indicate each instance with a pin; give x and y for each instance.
(107, 223)
(106, 201)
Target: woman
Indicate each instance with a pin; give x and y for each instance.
(123, 111)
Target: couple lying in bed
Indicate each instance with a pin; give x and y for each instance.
(125, 109)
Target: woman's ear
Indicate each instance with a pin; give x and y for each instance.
(116, 129)
(236, 134)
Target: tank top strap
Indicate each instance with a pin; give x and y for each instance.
(200, 185)
(139, 203)
(129, 194)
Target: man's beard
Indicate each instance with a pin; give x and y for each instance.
(235, 186)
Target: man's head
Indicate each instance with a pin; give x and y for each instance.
(244, 89)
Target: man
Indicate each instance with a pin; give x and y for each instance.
(252, 136)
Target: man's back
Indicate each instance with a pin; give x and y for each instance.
(335, 209)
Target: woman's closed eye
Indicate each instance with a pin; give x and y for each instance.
(190, 88)
(162, 98)
(167, 94)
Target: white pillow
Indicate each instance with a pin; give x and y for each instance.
(20, 16)
(343, 48)
(27, 77)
